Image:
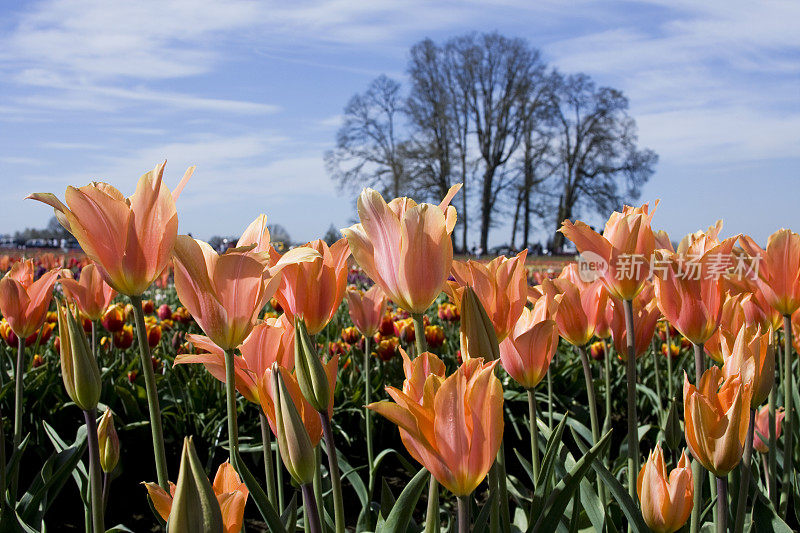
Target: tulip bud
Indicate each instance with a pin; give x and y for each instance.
(309, 369)
(195, 506)
(113, 319)
(295, 446)
(666, 499)
(78, 366)
(108, 442)
(478, 338)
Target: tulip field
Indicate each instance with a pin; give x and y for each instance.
(377, 383)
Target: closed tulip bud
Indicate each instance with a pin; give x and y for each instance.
(761, 434)
(113, 319)
(295, 445)
(194, 506)
(164, 312)
(666, 501)
(108, 442)
(153, 335)
(309, 370)
(478, 338)
(78, 366)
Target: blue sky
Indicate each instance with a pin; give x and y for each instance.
(252, 93)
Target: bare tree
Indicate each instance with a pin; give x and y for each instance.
(493, 72)
(368, 150)
(431, 148)
(600, 164)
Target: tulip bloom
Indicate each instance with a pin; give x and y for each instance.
(417, 371)
(689, 293)
(761, 435)
(578, 310)
(501, 286)
(752, 357)
(778, 269)
(228, 488)
(313, 290)
(457, 429)
(666, 500)
(271, 341)
(626, 247)
(404, 247)
(527, 352)
(645, 318)
(23, 301)
(91, 294)
(130, 239)
(716, 415)
(366, 309)
(225, 293)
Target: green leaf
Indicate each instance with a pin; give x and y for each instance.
(289, 515)
(563, 491)
(548, 463)
(268, 512)
(765, 518)
(53, 474)
(628, 506)
(400, 515)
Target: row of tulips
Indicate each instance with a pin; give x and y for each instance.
(451, 423)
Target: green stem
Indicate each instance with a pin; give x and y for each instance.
(419, 333)
(607, 377)
(744, 482)
(534, 436)
(722, 505)
(18, 385)
(788, 473)
(95, 483)
(502, 487)
(152, 394)
(595, 421)
(658, 377)
(549, 399)
(432, 512)
(494, 510)
(633, 423)
(312, 511)
(368, 428)
(3, 463)
(463, 514)
(230, 397)
(697, 468)
(318, 486)
(669, 363)
(266, 445)
(772, 478)
(333, 467)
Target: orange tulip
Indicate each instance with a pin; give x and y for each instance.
(269, 342)
(231, 495)
(527, 352)
(404, 247)
(666, 501)
(731, 320)
(578, 310)
(91, 294)
(716, 415)
(761, 434)
(626, 247)
(752, 357)
(314, 290)
(23, 301)
(501, 286)
(778, 269)
(690, 292)
(130, 239)
(225, 293)
(366, 309)
(417, 371)
(456, 431)
(645, 318)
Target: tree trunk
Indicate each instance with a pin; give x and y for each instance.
(516, 220)
(486, 207)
